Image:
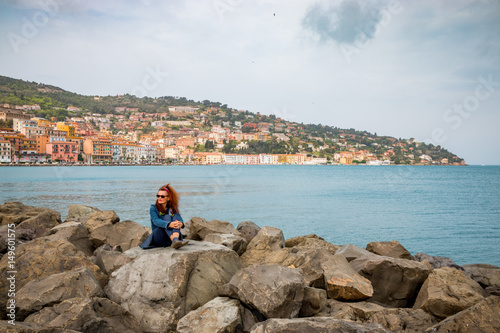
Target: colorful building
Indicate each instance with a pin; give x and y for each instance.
(61, 149)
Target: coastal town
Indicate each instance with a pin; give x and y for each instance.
(68, 128)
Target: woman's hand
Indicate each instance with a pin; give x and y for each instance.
(176, 224)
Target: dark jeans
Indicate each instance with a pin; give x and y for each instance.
(160, 238)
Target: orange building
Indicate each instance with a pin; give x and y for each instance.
(63, 150)
(97, 150)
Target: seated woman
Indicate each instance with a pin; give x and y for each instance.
(165, 221)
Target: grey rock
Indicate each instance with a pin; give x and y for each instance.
(248, 230)
(199, 228)
(233, 242)
(109, 260)
(389, 249)
(317, 324)
(314, 301)
(311, 242)
(75, 233)
(80, 212)
(351, 252)
(267, 240)
(484, 274)
(436, 261)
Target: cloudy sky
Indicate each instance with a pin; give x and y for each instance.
(423, 69)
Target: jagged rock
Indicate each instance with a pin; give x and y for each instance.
(21, 327)
(162, 285)
(316, 324)
(482, 317)
(448, 291)
(351, 252)
(484, 274)
(248, 230)
(101, 219)
(395, 319)
(56, 288)
(36, 220)
(109, 260)
(249, 317)
(395, 281)
(436, 261)
(221, 314)
(94, 314)
(235, 243)
(267, 240)
(199, 228)
(42, 257)
(311, 242)
(105, 228)
(309, 260)
(389, 249)
(80, 212)
(343, 283)
(75, 233)
(273, 290)
(16, 236)
(314, 301)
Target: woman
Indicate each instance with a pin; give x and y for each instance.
(165, 221)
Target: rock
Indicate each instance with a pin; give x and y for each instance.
(343, 283)
(35, 219)
(389, 249)
(351, 252)
(126, 234)
(221, 314)
(267, 240)
(273, 290)
(19, 235)
(314, 301)
(249, 317)
(395, 281)
(94, 314)
(108, 260)
(21, 327)
(101, 219)
(248, 230)
(311, 242)
(56, 288)
(317, 324)
(162, 285)
(80, 212)
(233, 242)
(484, 274)
(75, 233)
(309, 260)
(482, 317)
(42, 257)
(394, 319)
(199, 228)
(448, 291)
(436, 261)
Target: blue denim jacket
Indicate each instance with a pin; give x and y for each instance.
(162, 221)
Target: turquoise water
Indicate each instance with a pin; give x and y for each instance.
(445, 211)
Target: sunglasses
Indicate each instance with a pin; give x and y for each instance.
(161, 196)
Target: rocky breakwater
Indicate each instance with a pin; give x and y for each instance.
(87, 274)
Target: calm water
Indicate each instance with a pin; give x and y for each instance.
(446, 211)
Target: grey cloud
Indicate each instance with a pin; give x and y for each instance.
(344, 22)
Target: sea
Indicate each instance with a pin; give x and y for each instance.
(450, 211)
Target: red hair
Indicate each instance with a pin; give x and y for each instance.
(173, 202)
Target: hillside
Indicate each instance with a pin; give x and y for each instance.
(313, 139)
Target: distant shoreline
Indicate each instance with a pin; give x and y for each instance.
(141, 165)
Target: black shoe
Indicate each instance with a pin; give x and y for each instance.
(178, 244)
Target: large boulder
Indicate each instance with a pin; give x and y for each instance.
(248, 230)
(56, 288)
(109, 260)
(395, 319)
(309, 260)
(80, 212)
(221, 314)
(482, 317)
(488, 276)
(162, 285)
(351, 252)
(275, 291)
(35, 219)
(311, 242)
(101, 219)
(199, 228)
(448, 291)
(395, 281)
(317, 324)
(233, 242)
(75, 233)
(82, 314)
(389, 249)
(343, 283)
(267, 240)
(436, 261)
(42, 257)
(314, 301)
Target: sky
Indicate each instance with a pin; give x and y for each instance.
(428, 70)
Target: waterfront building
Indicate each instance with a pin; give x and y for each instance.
(62, 149)
(207, 158)
(97, 150)
(234, 159)
(69, 129)
(5, 151)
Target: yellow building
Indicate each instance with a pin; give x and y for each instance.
(66, 128)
